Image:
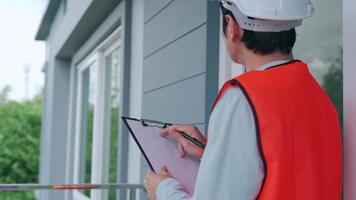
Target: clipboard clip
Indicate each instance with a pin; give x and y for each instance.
(153, 123)
(163, 125)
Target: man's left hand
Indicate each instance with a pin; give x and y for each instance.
(152, 180)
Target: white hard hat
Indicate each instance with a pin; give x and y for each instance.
(269, 15)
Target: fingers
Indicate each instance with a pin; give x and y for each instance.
(185, 146)
(152, 180)
(176, 136)
(173, 132)
(164, 132)
(148, 175)
(164, 171)
(181, 150)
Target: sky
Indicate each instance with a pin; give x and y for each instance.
(318, 42)
(19, 22)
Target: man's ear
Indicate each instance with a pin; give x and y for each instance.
(233, 31)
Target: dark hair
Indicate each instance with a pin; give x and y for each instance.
(264, 42)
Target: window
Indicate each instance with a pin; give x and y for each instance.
(112, 65)
(87, 109)
(98, 111)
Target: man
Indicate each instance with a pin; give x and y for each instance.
(273, 133)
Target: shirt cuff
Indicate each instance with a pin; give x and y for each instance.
(171, 189)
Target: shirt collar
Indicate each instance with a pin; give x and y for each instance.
(271, 64)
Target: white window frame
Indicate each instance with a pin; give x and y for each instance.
(101, 142)
(78, 148)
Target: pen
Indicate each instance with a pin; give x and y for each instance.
(146, 122)
(192, 139)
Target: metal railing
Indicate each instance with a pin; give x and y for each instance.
(131, 188)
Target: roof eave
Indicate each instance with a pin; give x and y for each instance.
(47, 20)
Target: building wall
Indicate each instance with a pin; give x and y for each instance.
(177, 60)
(71, 27)
(171, 72)
(349, 31)
(180, 61)
(53, 136)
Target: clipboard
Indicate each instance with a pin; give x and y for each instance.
(159, 151)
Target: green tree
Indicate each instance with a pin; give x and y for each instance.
(4, 93)
(20, 125)
(333, 84)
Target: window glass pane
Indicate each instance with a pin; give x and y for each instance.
(319, 44)
(112, 65)
(88, 109)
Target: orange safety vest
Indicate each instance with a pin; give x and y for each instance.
(298, 133)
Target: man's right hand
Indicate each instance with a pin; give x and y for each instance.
(185, 146)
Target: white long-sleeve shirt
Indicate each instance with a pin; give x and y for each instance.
(231, 167)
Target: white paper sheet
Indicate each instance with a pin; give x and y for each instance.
(164, 151)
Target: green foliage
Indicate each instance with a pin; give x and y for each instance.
(333, 85)
(88, 148)
(20, 125)
(113, 150)
(4, 93)
(28, 195)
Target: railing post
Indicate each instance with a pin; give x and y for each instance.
(132, 194)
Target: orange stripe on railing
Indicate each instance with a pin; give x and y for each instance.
(74, 187)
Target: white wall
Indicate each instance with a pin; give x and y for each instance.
(136, 86)
(227, 68)
(349, 30)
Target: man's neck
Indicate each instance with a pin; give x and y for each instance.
(252, 61)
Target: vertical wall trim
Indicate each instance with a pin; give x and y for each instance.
(45, 138)
(125, 103)
(136, 85)
(212, 57)
(71, 130)
(53, 152)
(349, 44)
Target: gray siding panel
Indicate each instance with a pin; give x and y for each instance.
(178, 19)
(176, 62)
(53, 151)
(179, 68)
(153, 7)
(183, 102)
